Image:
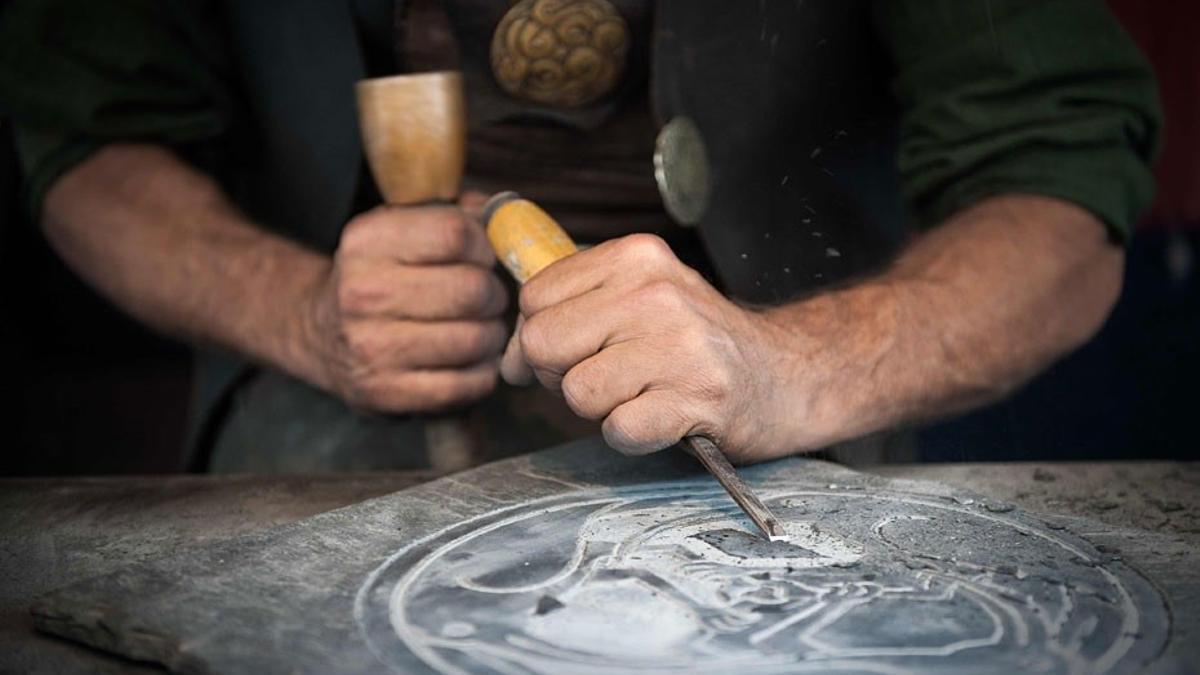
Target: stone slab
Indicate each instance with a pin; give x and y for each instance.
(54, 531)
(578, 560)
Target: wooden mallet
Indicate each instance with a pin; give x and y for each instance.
(414, 132)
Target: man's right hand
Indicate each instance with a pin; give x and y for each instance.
(408, 317)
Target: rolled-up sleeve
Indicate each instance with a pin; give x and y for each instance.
(1045, 97)
(77, 75)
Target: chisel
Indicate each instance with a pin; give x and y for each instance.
(526, 240)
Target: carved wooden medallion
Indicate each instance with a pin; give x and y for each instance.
(562, 53)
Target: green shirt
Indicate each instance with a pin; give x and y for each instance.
(1034, 96)
(1037, 96)
(77, 75)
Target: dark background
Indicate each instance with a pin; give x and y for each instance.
(92, 392)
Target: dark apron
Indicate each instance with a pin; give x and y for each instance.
(792, 101)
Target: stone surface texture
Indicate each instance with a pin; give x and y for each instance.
(54, 531)
(338, 592)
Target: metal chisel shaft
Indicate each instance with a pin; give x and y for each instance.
(714, 460)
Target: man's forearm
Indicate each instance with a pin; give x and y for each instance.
(972, 310)
(163, 242)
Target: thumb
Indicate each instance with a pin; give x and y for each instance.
(513, 367)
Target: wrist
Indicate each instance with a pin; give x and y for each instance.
(835, 354)
(298, 345)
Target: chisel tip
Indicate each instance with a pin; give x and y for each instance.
(711, 457)
(775, 531)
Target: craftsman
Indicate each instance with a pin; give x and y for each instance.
(198, 164)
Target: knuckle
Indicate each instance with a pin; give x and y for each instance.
(648, 427)
(354, 234)
(549, 378)
(452, 237)
(364, 345)
(474, 290)
(647, 249)
(622, 431)
(536, 341)
(713, 387)
(579, 391)
(661, 294)
(362, 232)
(720, 383)
(355, 295)
(531, 297)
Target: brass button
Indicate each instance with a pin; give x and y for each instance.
(561, 53)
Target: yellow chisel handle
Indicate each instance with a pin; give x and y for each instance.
(526, 239)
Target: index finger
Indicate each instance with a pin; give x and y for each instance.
(418, 235)
(608, 264)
